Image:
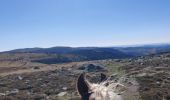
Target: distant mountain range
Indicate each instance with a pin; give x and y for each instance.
(69, 54)
(145, 49)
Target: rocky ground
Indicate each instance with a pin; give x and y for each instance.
(146, 78)
(153, 76)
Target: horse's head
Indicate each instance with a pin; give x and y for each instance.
(102, 91)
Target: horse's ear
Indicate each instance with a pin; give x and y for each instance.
(103, 77)
(82, 85)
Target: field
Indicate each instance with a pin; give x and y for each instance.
(146, 78)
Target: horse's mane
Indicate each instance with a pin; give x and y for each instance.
(108, 88)
(113, 85)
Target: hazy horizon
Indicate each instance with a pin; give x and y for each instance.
(83, 23)
(128, 45)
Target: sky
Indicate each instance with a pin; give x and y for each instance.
(81, 23)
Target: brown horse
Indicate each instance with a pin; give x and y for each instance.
(106, 90)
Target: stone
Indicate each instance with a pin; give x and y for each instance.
(64, 88)
(2, 94)
(36, 67)
(13, 92)
(92, 68)
(61, 94)
(20, 78)
(157, 82)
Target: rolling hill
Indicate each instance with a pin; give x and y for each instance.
(70, 54)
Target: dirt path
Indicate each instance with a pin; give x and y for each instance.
(132, 91)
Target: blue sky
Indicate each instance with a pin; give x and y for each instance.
(47, 23)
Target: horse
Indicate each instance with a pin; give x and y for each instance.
(105, 90)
